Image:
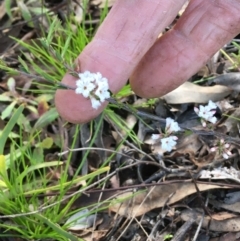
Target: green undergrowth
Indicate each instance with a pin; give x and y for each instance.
(31, 197)
(28, 207)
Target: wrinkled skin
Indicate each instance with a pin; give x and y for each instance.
(125, 47)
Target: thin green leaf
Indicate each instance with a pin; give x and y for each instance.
(8, 128)
(37, 156)
(2, 165)
(37, 167)
(24, 64)
(57, 228)
(8, 4)
(46, 118)
(66, 46)
(25, 12)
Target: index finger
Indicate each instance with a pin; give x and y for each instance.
(202, 30)
(129, 30)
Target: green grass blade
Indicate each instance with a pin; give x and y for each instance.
(57, 228)
(8, 128)
(47, 118)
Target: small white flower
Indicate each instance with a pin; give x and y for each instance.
(211, 105)
(93, 86)
(84, 87)
(95, 103)
(171, 126)
(225, 155)
(98, 76)
(87, 76)
(102, 94)
(212, 119)
(168, 143)
(207, 112)
(100, 79)
(102, 91)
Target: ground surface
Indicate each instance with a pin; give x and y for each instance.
(190, 192)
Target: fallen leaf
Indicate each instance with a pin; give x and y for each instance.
(227, 237)
(232, 122)
(191, 93)
(156, 198)
(223, 215)
(231, 224)
(230, 207)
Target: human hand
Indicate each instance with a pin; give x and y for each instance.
(125, 46)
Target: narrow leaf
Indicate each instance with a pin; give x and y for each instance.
(8, 128)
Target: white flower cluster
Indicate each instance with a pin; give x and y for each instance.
(168, 142)
(207, 113)
(93, 86)
(222, 148)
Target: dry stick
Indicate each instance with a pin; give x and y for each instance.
(141, 186)
(133, 217)
(203, 212)
(154, 229)
(59, 84)
(140, 225)
(130, 187)
(128, 143)
(115, 226)
(99, 199)
(198, 228)
(168, 170)
(200, 197)
(180, 235)
(201, 221)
